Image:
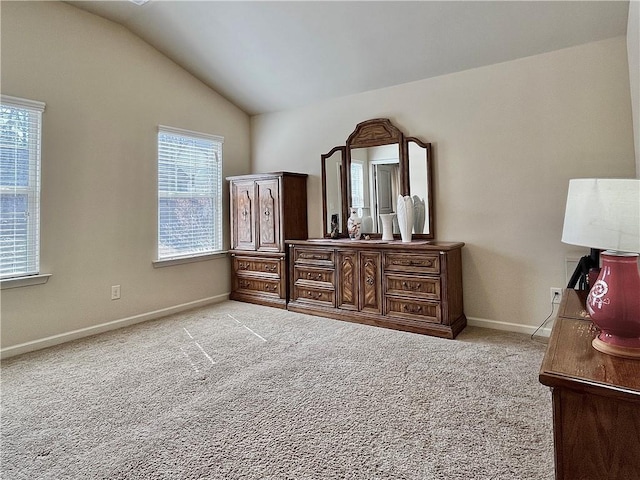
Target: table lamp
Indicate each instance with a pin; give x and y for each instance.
(605, 214)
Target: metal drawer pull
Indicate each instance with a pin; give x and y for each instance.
(413, 263)
(314, 295)
(310, 276)
(313, 256)
(270, 288)
(243, 266)
(270, 268)
(412, 308)
(411, 286)
(244, 284)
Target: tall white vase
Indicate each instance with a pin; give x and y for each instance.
(367, 221)
(405, 217)
(387, 225)
(418, 214)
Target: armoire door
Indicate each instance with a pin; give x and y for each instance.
(243, 213)
(269, 215)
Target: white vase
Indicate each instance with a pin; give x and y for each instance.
(387, 225)
(354, 225)
(405, 217)
(418, 214)
(367, 221)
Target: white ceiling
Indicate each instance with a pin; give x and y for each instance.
(270, 56)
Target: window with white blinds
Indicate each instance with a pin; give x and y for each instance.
(20, 139)
(357, 184)
(189, 193)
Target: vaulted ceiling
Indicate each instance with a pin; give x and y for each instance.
(270, 56)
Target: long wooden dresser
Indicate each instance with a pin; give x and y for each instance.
(414, 286)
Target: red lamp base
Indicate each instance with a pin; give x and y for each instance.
(613, 304)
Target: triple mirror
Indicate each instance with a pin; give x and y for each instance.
(378, 164)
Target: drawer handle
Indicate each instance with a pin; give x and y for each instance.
(244, 284)
(413, 263)
(411, 286)
(412, 308)
(270, 268)
(370, 280)
(314, 295)
(311, 276)
(270, 288)
(313, 256)
(243, 266)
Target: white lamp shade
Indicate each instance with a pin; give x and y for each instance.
(603, 213)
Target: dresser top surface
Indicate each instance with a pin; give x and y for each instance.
(377, 243)
(571, 360)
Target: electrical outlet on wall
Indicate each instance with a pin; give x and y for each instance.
(556, 295)
(115, 292)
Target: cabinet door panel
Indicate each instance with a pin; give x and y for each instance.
(243, 215)
(371, 282)
(347, 280)
(268, 215)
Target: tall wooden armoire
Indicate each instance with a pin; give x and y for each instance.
(266, 209)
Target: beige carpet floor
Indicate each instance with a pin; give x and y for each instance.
(239, 391)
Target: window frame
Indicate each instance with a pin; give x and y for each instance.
(32, 191)
(216, 197)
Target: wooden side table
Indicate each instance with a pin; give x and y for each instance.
(596, 400)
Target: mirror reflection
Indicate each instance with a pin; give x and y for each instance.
(332, 176)
(376, 166)
(418, 182)
(375, 183)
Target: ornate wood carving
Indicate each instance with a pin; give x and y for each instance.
(347, 295)
(415, 287)
(265, 209)
(379, 131)
(371, 281)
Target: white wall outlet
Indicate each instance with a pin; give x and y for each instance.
(115, 292)
(556, 295)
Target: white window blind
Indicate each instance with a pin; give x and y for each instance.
(189, 193)
(357, 184)
(20, 139)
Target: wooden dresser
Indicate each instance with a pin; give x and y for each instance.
(596, 400)
(266, 210)
(414, 286)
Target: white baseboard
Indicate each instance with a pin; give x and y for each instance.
(510, 327)
(105, 327)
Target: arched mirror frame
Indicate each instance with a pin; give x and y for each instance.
(341, 181)
(372, 133)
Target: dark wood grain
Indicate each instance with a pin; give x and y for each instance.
(596, 400)
(266, 210)
(416, 287)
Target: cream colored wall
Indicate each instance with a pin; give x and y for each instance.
(106, 92)
(633, 53)
(507, 138)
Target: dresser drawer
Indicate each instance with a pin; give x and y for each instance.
(311, 274)
(316, 296)
(427, 288)
(412, 262)
(312, 256)
(413, 310)
(255, 285)
(251, 265)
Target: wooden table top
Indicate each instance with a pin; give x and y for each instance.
(571, 361)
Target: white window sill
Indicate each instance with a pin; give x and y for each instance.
(27, 281)
(181, 260)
